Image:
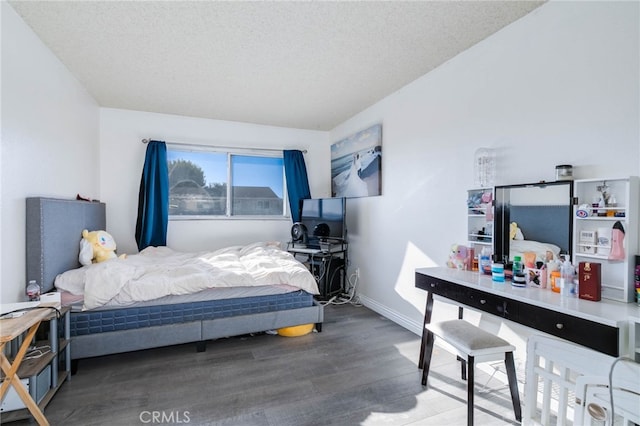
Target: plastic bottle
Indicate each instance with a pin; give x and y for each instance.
(554, 278)
(553, 270)
(567, 272)
(518, 278)
(485, 260)
(517, 264)
(543, 276)
(33, 290)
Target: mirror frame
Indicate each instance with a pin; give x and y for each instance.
(502, 205)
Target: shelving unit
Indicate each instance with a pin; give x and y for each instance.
(617, 275)
(480, 218)
(45, 374)
(327, 264)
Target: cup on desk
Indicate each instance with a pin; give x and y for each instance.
(534, 277)
(497, 272)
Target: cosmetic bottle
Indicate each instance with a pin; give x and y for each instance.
(567, 284)
(485, 261)
(543, 275)
(517, 264)
(553, 275)
(518, 278)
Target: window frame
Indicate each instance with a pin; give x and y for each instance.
(230, 152)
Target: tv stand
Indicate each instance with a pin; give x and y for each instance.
(328, 264)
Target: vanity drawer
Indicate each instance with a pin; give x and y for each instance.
(483, 301)
(491, 303)
(442, 288)
(587, 333)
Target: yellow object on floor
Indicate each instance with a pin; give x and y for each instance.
(296, 330)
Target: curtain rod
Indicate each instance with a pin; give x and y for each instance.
(145, 141)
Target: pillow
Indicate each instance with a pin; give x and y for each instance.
(72, 280)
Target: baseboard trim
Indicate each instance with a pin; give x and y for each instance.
(402, 320)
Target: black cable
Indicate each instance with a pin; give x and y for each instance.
(32, 308)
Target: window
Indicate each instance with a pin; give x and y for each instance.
(212, 183)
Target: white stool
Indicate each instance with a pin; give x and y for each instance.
(473, 345)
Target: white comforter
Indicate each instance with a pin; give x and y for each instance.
(160, 271)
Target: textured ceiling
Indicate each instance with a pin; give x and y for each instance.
(309, 65)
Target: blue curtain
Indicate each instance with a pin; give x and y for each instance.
(153, 200)
(295, 171)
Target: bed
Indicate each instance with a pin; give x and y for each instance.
(540, 229)
(53, 232)
(543, 212)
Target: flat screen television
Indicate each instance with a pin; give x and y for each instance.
(324, 218)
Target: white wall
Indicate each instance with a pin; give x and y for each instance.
(122, 157)
(559, 86)
(49, 140)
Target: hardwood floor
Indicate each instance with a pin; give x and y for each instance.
(360, 370)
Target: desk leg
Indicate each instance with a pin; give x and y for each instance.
(427, 319)
(12, 379)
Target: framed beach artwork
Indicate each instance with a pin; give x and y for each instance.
(356, 164)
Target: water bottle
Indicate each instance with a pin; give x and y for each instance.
(33, 291)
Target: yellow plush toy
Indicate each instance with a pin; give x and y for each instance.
(97, 246)
(515, 233)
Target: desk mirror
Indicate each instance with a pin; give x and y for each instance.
(533, 218)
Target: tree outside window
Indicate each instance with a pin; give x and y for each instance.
(221, 184)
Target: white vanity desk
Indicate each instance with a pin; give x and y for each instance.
(603, 325)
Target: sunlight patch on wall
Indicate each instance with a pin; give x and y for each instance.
(405, 284)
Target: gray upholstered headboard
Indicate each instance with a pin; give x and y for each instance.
(54, 229)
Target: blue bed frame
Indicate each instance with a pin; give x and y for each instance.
(53, 232)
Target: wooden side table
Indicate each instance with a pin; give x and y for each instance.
(9, 330)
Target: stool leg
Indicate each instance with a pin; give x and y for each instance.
(463, 368)
(426, 362)
(513, 384)
(470, 385)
